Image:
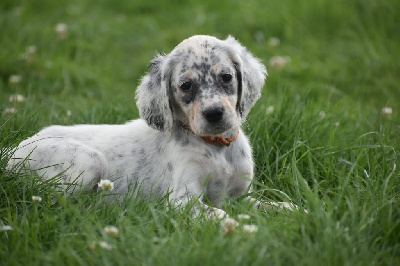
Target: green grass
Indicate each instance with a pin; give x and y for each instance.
(344, 62)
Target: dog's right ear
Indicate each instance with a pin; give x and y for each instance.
(152, 96)
(251, 76)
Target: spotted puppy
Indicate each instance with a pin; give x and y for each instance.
(188, 141)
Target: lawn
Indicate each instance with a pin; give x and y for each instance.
(325, 133)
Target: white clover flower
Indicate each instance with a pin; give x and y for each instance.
(9, 111)
(387, 111)
(244, 217)
(322, 114)
(17, 98)
(92, 245)
(6, 228)
(270, 110)
(61, 29)
(279, 62)
(31, 50)
(15, 79)
(252, 200)
(105, 245)
(30, 53)
(111, 231)
(273, 42)
(229, 225)
(106, 185)
(69, 113)
(250, 228)
(336, 124)
(36, 199)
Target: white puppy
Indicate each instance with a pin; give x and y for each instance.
(188, 141)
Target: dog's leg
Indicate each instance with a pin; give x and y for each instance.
(72, 160)
(199, 207)
(187, 186)
(267, 205)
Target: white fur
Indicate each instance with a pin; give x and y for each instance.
(156, 153)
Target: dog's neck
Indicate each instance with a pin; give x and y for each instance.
(220, 140)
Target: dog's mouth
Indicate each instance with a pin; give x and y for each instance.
(214, 129)
(223, 138)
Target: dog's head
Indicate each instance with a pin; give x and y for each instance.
(205, 83)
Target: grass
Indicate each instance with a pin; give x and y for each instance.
(326, 143)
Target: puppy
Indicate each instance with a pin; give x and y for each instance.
(188, 142)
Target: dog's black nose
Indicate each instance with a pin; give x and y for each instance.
(214, 115)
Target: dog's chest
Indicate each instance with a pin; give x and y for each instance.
(226, 172)
(223, 180)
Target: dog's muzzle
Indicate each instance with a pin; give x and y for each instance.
(214, 115)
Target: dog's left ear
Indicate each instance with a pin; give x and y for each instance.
(251, 75)
(153, 97)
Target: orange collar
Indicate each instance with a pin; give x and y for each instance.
(220, 140)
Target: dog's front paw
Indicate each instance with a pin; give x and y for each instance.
(274, 206)
(280, 206)
(215, 213)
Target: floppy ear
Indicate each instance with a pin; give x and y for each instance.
(251, 75)
(153, 97)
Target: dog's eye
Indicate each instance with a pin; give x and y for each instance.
(226, 78)
(186, 86)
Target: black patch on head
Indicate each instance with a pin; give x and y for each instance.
(215, 59)
(184, 67)
(190, 50)
(203, 67)
(205, 44)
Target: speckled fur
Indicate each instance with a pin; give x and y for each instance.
(156, 152)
